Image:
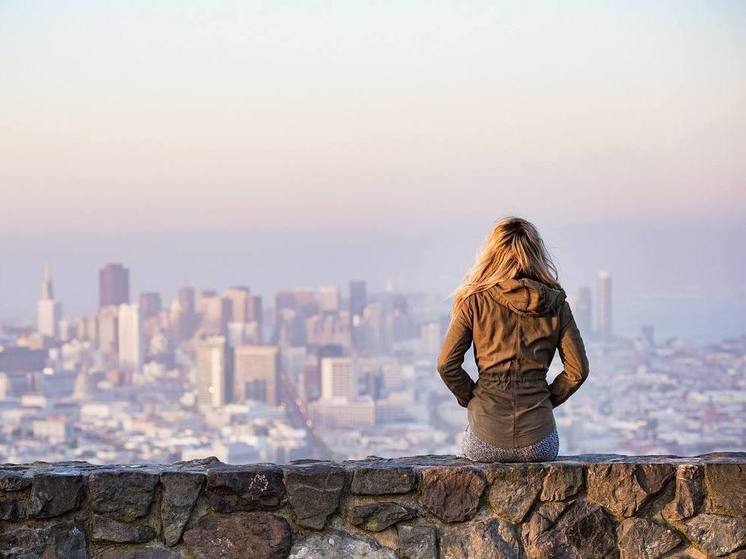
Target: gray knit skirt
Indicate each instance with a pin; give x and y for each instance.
(541, 451)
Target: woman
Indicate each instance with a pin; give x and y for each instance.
(512, 308)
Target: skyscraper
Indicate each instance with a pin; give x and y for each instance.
(328, 298)
(238, 298)
(214, 372)
(257, 374)
(358, 302)
(338, 378)
(131, 345)
(113, 285)
(48, 311)
(150, 304)
(603, 306)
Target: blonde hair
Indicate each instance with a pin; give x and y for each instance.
(513, 249)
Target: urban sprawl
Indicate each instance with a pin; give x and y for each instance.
(324, 373)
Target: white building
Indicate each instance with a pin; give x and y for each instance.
(48, 311)
(338, 378)
(131, 345)
(329, 298)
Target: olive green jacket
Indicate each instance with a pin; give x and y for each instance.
(515, 327)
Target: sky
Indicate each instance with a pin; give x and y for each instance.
(296, 143)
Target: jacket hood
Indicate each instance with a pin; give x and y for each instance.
(529, 297)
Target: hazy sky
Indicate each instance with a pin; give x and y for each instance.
(404, 126)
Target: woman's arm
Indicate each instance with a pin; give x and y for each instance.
(574, 359)
(456, 343)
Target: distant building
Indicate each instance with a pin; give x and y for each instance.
(186, 299)
(604, 306)
(214, 312)
(49, 311)
(108, 330)
(338, 378)
(358, 302)
(340, 413)
(130, 337)
(430, 337)
(328, 298)
(21, 359)
(150, 304)
(238, 300)
(257, 374)
(214, 372)
(113, 285)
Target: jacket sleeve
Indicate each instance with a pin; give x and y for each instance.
(574, 359)
(457, 341)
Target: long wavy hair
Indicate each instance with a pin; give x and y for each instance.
(512, 250)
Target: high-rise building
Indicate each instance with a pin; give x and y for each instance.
(48, 311)
(257, 374)
(214, 312)
(238, 300)
(150, 304)
(583, 311)
(108, 330)
(328, 298)
(214, 372)
(603, 306)
(358, 302)
(338, 378)
(131, 344)
(113, 285)
(186, 299)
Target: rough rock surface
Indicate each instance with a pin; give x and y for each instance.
(382, 479)
(488, 539)
(54, 494)
(726, 488)
(513, 489)
(715, 534)
(451, 494)
(420, 507)
(335, 544)
(418, 542)
(379, 516)
(107, 529)
(561, 482)
(313, 493)
(124, 495)
(260, 535)
(640, 538)
(180, 493)
(247, 488)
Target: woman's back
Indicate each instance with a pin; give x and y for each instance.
(515, 327)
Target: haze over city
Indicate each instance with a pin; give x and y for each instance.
(234, 142)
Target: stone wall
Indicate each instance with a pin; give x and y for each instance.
(417, 508)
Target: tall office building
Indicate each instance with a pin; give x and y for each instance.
(186, 299)
(214, 372)
(603, 306)
(583, 311)
(48, 311)
(338, 378)
(238, 300)
(257, 374)
(214, 312)
(131, 344)
(107, 326)
(358, 302)
(150, 304)
(328, 298)
(113, 285)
